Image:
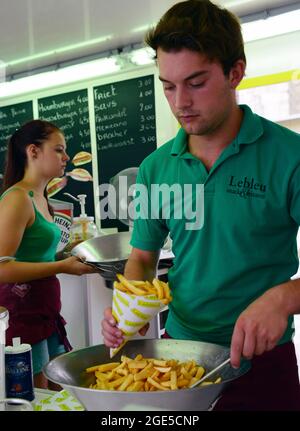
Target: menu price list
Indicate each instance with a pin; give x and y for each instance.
(70, 112)
(12, 117)
(125, 127)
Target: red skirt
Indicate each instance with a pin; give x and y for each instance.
(34, 310)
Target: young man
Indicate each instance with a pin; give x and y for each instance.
(231, 277)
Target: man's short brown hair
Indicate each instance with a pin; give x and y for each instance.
(201, 26)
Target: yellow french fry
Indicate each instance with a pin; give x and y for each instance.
(119, 286)
(126, 383)
(200, 373)
(108, 367)
(135, 387)
(174, 380)
(116, 383)
(149, 285)
(165, 301)
(156, 385)
(92, 369)
(138, 283)
(167, 293)
(137, 364)
(160, 363)
(130, 286)
(163, 369)
(147, 374)
(138, 357)
(159, 288)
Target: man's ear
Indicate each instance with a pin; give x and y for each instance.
(237, 73)
(32, 151)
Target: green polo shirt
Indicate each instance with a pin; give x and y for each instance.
(247, 243)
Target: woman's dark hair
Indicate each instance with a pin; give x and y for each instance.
(201, 26)
(34, 132)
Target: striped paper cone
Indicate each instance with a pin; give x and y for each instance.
(132, 312)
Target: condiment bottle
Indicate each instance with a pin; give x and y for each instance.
(18, 370)
(83, 227)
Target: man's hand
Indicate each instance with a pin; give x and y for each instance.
(259, 327)
(112, 335)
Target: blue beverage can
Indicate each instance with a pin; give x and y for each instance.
(18, 371)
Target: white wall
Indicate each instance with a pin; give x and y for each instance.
(292, 124)
(74, 308)
(273, 55)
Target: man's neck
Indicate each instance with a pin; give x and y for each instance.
(208, 148)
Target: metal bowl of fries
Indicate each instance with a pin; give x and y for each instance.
(69, 371)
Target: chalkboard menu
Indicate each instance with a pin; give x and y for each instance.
(70, 112)
(125, 127)
(11, 118)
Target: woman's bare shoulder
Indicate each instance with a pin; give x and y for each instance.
(16, 197)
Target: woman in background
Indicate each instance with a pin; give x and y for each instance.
(29, 288)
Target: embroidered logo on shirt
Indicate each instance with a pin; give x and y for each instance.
(246, 187)
(21, 290)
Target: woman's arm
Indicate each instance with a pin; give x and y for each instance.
(16, 272)
(17, 213)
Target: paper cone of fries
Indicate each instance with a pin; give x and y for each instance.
(135, 303)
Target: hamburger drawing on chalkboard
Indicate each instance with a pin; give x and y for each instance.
(56, 185)
(80, 174)
(82, 158)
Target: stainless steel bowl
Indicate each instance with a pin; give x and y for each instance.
(108, 253)
(68, 371)
(105, 249)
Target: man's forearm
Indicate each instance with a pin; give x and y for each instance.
(288, 295)
(137, 270)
